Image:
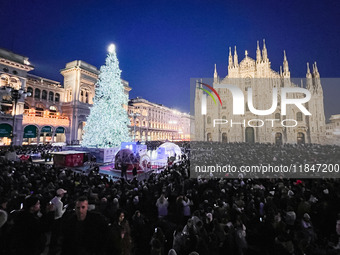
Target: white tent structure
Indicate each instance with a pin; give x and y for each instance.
(169, 150)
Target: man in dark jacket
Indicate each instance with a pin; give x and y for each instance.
(29, 230)
(84, 232)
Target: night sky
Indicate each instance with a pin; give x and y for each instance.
(162, 44)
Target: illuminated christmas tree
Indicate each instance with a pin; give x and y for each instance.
(107, 124)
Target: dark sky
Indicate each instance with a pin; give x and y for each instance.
(162, 44)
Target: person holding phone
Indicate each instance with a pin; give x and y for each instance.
(29, 229)
(58, 213)
(58, 204)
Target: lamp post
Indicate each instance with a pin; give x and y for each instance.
(134, 116)
(15, 96)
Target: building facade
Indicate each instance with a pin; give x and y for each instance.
(49, 112)
(333, 130)
(151, 122)
(248, 127)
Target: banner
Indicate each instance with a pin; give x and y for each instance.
(46, 129)
(30, 131)
(5, 130)
(60, 130)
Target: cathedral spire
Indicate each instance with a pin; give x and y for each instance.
(264, 52)
(235, 58)
(308, 70)
(308, 74)
(258, 53)
(309, 84)
(285, 65)
(284, 56)
(215, 75)
(316, 79)
(230, 59)
(315, 70)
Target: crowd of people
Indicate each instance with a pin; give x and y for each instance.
(48, 210)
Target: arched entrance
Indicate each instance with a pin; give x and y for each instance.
(209, 137)
(250, 137)
(30, 135)
(46, 134)
(5, 134)
(224, 138)
(60, 136)
(278, 138)
(300, 138)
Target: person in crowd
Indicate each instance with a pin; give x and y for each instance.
(58, 204)
(58, 213)
(120, 241)
(124, 171)
(157, 242)
(172, 252)
(3, 203)
(3, 221)
(29, 227)
(242, 215)
(186, 207)
(336, 246)
(3, 218)
(84, 231)
(139, 232)
(134, 172)
(11, 155)
(162, 206)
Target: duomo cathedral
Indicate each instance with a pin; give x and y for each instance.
(257, 74)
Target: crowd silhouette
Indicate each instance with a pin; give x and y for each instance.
(169, 213)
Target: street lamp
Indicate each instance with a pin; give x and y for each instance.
(15, 94)
(134, 116)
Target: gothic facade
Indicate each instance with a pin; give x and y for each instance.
(292, 127)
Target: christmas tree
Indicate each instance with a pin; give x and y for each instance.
(107, 124)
